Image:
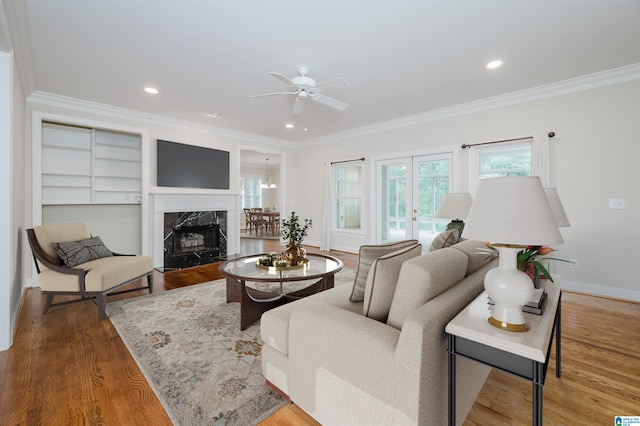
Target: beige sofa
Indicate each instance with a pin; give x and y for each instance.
(345, 368)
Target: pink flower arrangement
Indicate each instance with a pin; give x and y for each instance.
(529, 260)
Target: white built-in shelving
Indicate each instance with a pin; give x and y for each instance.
(89, 166)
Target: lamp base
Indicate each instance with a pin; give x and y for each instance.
(508, 326)
(510, 289)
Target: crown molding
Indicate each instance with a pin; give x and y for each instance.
(591, 81)
(20, 42)
(80, 105)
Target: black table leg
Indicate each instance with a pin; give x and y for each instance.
(452, 381)
(537, 404)
(558, 321)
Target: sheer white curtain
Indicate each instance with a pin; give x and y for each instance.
(540, 158)
(325, 243)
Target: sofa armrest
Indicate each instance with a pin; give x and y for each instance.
(425, 328)
(330, 347)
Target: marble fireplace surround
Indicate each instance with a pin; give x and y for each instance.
(170, 203)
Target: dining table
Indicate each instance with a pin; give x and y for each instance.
(273, 221)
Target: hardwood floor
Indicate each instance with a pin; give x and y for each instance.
(66, 367)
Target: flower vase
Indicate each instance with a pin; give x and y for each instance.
(294, 253)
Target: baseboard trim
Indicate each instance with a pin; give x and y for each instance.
(598, 290)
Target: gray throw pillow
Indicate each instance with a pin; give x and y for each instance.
(74, 253)
(367, 254)
(444, 239)
(382, 280)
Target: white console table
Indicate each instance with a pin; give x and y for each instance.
(524, 354)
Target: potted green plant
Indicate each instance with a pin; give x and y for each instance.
(293, 231)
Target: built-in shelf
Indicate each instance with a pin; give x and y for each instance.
(89, 166)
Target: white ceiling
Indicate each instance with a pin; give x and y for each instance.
(401, 57)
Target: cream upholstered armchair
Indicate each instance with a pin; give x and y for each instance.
(70, 261)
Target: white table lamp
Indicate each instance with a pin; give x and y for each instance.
(455, 206)
(556, 207)
(511, 213)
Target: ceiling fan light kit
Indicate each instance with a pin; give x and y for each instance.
(305, 87)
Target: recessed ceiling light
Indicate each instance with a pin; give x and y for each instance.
(151, 90)
(289, 126)
(494, 64)
(214, 114)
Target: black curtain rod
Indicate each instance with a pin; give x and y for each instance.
(464, 145)
(347, 161)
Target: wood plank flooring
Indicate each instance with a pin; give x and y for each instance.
(66, 367)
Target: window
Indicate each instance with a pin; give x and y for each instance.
(348, 193)
(506, 159)
(433, 182)
(396, 183)
(251, 193)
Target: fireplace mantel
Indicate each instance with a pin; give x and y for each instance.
(166, 202)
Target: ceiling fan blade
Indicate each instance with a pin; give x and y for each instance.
(282, 78)
(340, 81)
(298, 106)
(272, 94)
(331, 102)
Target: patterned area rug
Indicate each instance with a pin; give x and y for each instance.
(189, 346)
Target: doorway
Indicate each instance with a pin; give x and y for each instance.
(409, 191)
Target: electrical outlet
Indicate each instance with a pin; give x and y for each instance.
(616, 203)
(573, 264)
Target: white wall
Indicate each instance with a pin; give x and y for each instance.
(11, 196)
(595, 157)
(6, 214)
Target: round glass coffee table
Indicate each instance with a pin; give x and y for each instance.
(258, 289)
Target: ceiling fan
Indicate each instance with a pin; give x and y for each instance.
(305, 87)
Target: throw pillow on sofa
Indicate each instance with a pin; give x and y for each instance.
(74, 253)
(473, 250)
(367, 254)
(444, 239)
(382, 279)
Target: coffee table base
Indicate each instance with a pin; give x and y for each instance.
(253, 303)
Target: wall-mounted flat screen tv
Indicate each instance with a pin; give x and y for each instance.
(189, 166)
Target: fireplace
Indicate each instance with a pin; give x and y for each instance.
(194, 238)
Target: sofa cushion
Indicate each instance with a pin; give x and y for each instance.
(367, 254)
(104, 273)
(274, 324)
(423, 278)
(74, 253)
(444, 239)
(477, 259)
(382, 279)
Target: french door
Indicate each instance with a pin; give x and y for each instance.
(409, 191)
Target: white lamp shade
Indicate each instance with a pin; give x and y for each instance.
(512, 210)
(556, 207)
(454, 205)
